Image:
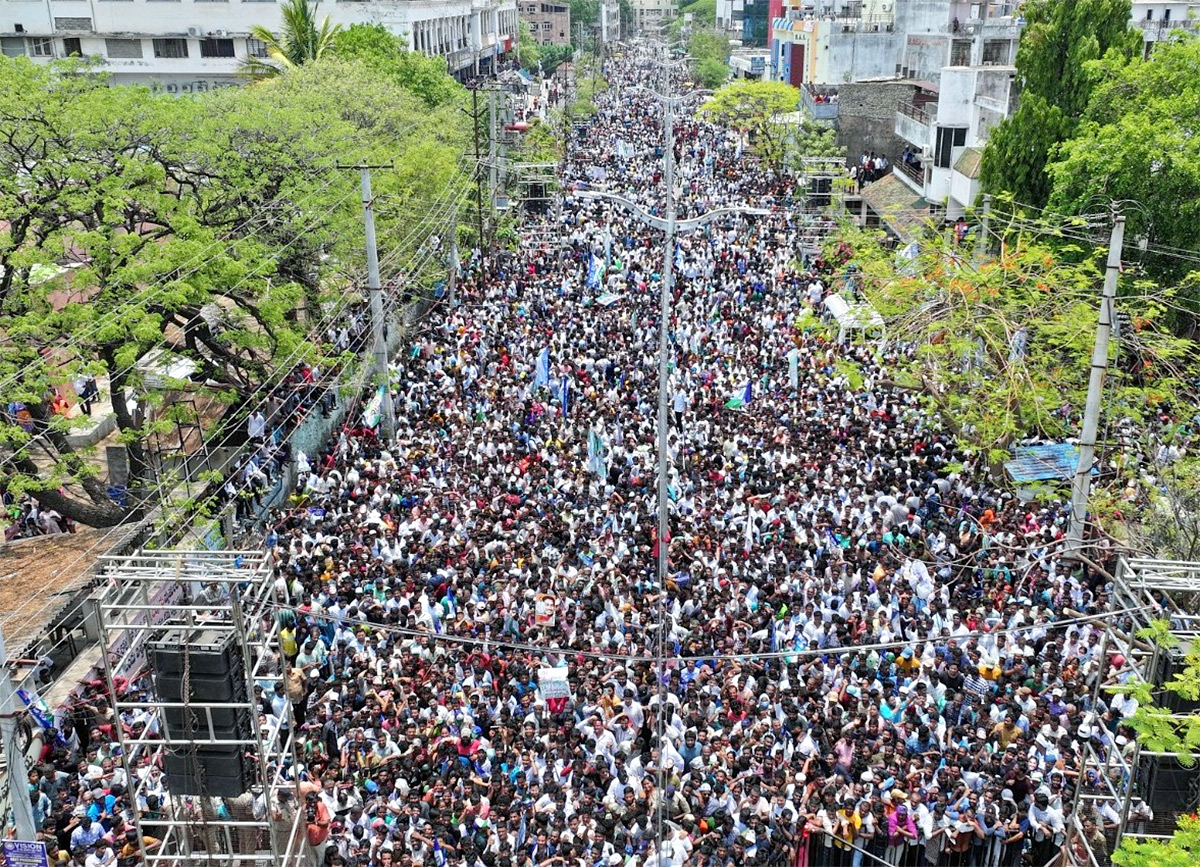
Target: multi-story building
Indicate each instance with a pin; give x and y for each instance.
(946, 126)
(649, 16)
(829, 42)
(610, 21)
(197, 45)
(1157, 19)
(549, 21)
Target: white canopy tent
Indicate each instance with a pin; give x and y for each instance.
(852, 317)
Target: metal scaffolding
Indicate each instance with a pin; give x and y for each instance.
(1143, 590)
(176, 598)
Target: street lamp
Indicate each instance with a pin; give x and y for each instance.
(669, 225)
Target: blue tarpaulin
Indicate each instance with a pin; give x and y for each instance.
(1040, 463)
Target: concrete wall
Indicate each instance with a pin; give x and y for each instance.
(867, 117)
(843, 57)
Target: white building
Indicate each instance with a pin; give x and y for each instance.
(610, 21)
(197, 45)
(947, 126)
(1157, 19)
(649, 16)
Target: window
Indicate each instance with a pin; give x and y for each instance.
(1166, 15)
(960, 52)
(256, 48)
(948, 138)
(72, 47)
(72, 23)
(12, 46)
(1149, 14)
(41, 47)
(216, 48)
(996, 52)
(123, 49)
(170, 48)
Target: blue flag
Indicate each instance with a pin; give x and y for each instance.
(595, 271)
(542, 375)
(678, 258)
(564, 394)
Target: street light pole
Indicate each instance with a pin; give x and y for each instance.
(664, 322)
(669, 225)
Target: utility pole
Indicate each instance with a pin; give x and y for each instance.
(982, 242)
(452, 277)
(1091, 414)
(492, 144)
(475, 118)
(387, 412)
(18, 795)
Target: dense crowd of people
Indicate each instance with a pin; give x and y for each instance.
(873, 656)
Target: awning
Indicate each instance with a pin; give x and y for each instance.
(968, 162)
(857, 317)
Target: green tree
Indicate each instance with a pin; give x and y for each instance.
(1055, 81)
(1137, 143)
(214, 228)
(585, 12)
(554, 56)
(383, 51)
(752, 107)
(627, 17)
(1002, 344)
(301, 40)
(529, 49)
(709, 51)
(808, 139)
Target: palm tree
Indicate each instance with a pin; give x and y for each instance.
(298, 42)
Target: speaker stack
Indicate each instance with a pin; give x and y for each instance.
(1170, 787)
(216, 674)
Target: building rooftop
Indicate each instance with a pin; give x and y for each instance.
(43, 577)
(898, 206)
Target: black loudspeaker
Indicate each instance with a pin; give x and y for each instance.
(223, 772)
(216, 673)
(1169, 666)
(1170, 787)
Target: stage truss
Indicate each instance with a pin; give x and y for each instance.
(148, 596)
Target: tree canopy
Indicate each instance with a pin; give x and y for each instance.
(217, 228)
(384, 52)
(709, 51)
(1055, 80)
(1000, 345)
(1138, 143)
(752, 107)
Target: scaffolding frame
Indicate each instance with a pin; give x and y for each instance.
(147, 596)
(1143, 590)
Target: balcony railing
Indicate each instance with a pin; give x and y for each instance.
(917, 113)
(1156, 30)
(819, 105)
(915, 173)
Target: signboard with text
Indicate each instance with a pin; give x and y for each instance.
(19, 853)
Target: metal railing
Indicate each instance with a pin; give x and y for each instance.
(818, 110)
(915, 112)
(915, 173)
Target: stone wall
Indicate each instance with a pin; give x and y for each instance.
(867, 117)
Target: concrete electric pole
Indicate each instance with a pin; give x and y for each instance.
(1081, 487)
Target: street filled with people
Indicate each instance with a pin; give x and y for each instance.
(872, 654)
